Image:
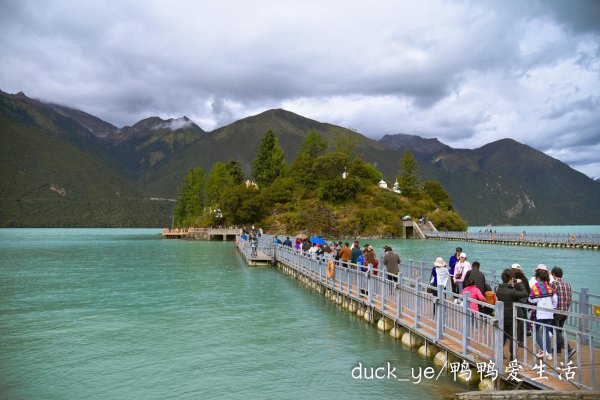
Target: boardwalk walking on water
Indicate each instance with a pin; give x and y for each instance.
(446, 322)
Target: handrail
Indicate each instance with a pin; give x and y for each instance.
(436, 316)
(589, 239)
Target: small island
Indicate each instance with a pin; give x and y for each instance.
(327, 190)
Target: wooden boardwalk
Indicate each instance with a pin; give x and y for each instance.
(260, 258)
(584, 242)
(442, 322)
(201, 233)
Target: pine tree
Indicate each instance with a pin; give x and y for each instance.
(409, 178)
(218, 181)
(269, 162)
(235, 170)
(190, 200)
(313, 145)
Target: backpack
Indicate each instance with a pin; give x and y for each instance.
(490, 296)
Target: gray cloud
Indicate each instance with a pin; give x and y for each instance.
(467, 72)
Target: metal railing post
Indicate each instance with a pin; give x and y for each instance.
(347, 282)
(583, 309)
(439, 308)
(494, 279)
(417, 303)
(499, 335)
(369, 289)
(399, 298)
(466, 328)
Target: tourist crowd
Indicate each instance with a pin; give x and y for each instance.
(545, 288)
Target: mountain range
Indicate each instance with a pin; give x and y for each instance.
(64, 167)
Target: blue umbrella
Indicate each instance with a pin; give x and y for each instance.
(317, 240)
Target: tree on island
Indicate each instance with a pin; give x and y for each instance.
(408, 181)
(312, 194)
(191, 199)
(269, 162)
(313, 145)
(235, 171)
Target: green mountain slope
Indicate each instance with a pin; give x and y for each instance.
(150, 141)
(506, 182)
(55, 173)
(239, 141)
(64, 167)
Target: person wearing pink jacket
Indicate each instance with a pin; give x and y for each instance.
(475, 294)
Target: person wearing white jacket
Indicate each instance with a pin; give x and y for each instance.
(441, 272)
(460, 270)
(542, 295)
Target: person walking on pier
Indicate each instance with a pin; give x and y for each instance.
(460, 270)
(519, 277)
(306, 245)
(391, 261)
(439, 274)
(451, 264)
(345, 254)
(563, 293)
(508, 292)
(439, 277)
(371, 258)
(477, 276)
(533, 279)
(475, 293)
(355, 253)
(543, 295)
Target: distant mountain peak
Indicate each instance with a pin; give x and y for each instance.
(155, 123)
(418, 145)
(177, 123)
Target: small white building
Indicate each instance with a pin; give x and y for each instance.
(382, 184)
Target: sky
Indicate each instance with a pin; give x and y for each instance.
(465, 72)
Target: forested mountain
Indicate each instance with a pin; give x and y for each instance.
(239, 141)
(506, 182)
(55, 173)
(63, 167)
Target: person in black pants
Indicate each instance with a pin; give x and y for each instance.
(508, 293)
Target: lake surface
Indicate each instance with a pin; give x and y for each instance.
(581, 268)
(123, 314)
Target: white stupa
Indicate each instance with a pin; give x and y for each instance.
(383, 184)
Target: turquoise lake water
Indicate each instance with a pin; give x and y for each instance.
(123, 314)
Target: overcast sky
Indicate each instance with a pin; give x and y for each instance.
(466, 72)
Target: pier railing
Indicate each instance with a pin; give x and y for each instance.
(445, 318)
(583, 302)
(439, 316)
(559, 239)
(585, 342)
